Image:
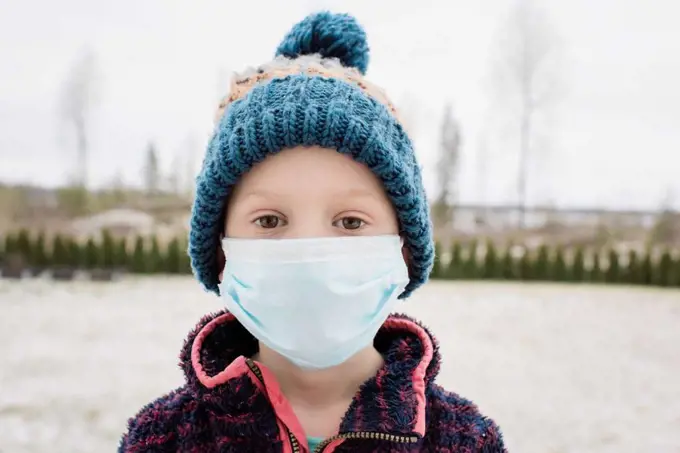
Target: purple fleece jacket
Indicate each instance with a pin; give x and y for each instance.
(231, 403)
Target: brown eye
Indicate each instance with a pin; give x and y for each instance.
(268, 221)
(352, 223)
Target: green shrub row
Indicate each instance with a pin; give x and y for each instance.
(556, 263)
(143, 255)
(471, 261)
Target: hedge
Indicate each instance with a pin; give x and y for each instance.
(557, 264)
(147, 256)
(463, 261)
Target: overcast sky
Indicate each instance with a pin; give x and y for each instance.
(613, 140)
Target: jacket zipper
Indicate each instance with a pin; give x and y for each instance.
(352, 435)
(367, 435)
(295, 445)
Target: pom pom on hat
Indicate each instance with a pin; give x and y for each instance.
(330, 35)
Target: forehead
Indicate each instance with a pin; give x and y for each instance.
(309, 171)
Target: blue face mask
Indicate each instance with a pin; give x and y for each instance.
(316, 301)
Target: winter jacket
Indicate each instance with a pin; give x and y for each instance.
(231, 403)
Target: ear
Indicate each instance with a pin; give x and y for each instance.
(221, 261)
(406, 253)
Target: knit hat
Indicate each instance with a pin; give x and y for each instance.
(312, 93)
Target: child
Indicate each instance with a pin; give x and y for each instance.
(311, 191)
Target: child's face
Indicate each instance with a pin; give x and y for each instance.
(309, 192)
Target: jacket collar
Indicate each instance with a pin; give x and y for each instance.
(392, 402)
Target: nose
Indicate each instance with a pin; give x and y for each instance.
(311, 223)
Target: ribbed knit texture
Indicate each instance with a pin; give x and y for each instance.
(309, 110)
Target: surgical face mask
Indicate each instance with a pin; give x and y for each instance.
(316, 301)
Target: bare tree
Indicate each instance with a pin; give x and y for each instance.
(525, 79)
(191, 150)
(152, 170)
(482, 176)
(118, 188)
(447, 170)
(666, 227)
(174, 175)
(79, 96)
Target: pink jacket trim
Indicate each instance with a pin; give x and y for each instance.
(282, 408)
(418, 375)
(235, 368)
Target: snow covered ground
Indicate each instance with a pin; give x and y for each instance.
(560, 368)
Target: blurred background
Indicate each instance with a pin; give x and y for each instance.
(547, 134)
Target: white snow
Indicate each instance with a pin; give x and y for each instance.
(561, 368)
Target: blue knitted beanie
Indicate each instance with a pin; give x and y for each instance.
(313, 93)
